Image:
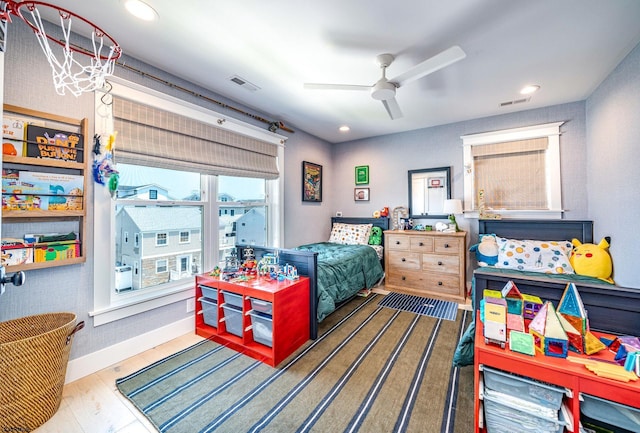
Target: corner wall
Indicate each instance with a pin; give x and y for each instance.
(612, 172)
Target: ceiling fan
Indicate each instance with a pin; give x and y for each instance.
(385, 89)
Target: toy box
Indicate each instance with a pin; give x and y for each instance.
(54, 144)
(14, 254)
(13, 136)
(51, 251)
(41, 202)
(33, 182)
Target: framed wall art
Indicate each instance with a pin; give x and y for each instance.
(361, 194)
(362, 175)
(311, 182)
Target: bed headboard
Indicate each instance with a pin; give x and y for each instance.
(541, 230)
(383, 222)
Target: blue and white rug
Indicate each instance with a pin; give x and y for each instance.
(416, 304)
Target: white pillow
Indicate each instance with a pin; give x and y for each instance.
(350, 234)
(550, 257)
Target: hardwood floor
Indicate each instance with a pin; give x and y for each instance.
(94, 405)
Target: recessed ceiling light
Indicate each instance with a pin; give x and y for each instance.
(529, 89)
(344, 128)
(140, 9)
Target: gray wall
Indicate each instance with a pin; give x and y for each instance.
(613, 156)
(590, 191)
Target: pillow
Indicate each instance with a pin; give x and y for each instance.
(350, 234)
(550, 257)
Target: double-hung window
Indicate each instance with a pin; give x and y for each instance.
(191, 185)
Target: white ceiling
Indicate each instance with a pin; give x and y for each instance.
(566, 46)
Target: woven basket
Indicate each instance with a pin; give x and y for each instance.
(34, 352)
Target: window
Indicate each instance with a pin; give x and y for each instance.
(514, 173)
(161, 239)
(178, 209)
(161, 266)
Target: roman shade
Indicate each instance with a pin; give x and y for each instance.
(153, 137)
(505, 171)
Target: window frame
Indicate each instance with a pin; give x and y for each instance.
(105, 309)
(551, 131)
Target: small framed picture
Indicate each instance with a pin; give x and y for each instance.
(311, 181)
(361, 194)
(362, 175)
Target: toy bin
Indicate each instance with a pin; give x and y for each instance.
(233, 319)
(262, 325)
(232, 299)
(34, 352)
(608, 415)
(210, 293)
(530, 390)
(264, 307)
(511, 415)
(209, 312)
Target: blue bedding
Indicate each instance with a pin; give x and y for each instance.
(342, 271)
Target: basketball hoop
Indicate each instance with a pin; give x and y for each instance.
(67, 72)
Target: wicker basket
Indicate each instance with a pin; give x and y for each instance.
(34, 352)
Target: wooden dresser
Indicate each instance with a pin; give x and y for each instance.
(430, 264)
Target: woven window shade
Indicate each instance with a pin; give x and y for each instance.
(512, 174)
(152, 137)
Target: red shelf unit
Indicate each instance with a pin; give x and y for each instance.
(290, 325)
(556, 371)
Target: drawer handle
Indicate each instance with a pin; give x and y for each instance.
(439, 263)
(404, 260)
(404, 278)
(439, 283)
(421, 244)
(397, 242)
(446, 245)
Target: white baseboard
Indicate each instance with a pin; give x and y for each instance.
(96, 361)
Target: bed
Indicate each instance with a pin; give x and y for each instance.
(336, 272)
(611, 308)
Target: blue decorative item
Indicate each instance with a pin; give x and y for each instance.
(486, 250)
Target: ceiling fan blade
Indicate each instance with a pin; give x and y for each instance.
(320, 86)
(392, 108)
(431, 65)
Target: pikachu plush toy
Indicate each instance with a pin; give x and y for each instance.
(592, 260)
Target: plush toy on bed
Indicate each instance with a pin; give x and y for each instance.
(375, 238)
(486, 250)
(592, 260)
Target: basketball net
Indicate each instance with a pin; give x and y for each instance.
(68, 73)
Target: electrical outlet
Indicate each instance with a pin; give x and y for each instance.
(191, 305)
(339, 213)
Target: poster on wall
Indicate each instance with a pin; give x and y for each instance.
(311, 182)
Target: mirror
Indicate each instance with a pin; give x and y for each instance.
(428, 189)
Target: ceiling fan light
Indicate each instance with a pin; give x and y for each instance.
(383, 90)
(141, 10)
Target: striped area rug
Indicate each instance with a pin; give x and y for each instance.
(372, 369)
(416, 304)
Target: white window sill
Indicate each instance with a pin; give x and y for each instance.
(518, 214)
(134, 306)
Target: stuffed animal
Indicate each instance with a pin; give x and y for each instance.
(375, 238)
(592, 260)
(486, 250)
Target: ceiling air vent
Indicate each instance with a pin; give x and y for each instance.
(516, 101)
(244, 83)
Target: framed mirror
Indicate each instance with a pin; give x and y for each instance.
(428, 189)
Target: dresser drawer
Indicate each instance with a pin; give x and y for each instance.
(443, 284)
(441, 263)
(397, 242)
(406, 278)
(404, 260)
(448, 245)
(421, 244)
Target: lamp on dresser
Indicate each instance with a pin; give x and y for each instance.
(452, 207)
